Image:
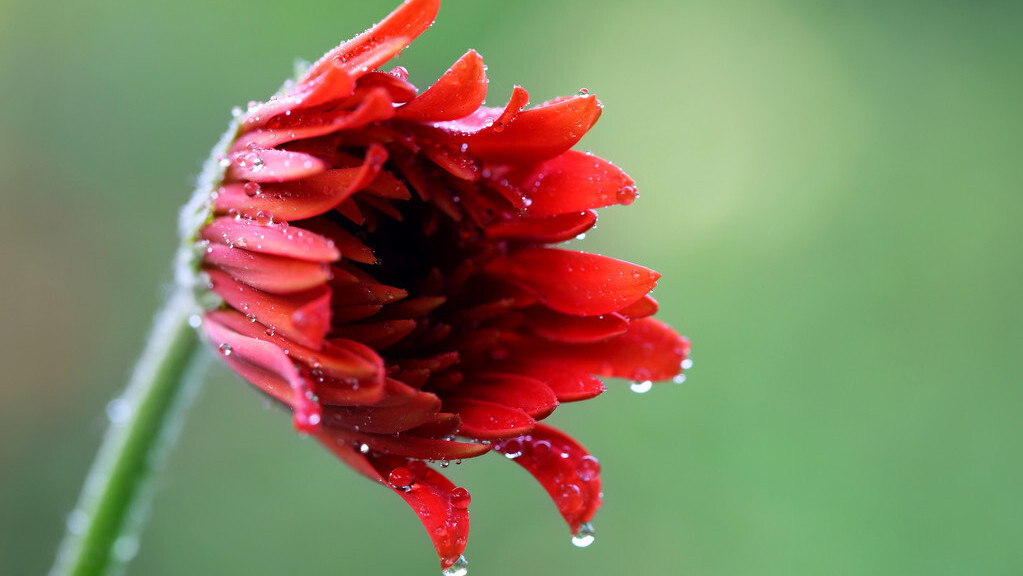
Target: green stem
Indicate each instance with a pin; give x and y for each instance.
(101, 534)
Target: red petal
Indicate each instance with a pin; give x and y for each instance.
(378, 44)
(563, 467)
(547, 230)
(527, 394)
(275, 274)
(576, 282)
(419, 409)
(266, 366)
(645, 306)
(574, 329)
(488, 420)
(304, 317)
(275, 239)
(537, 134)
(649, 350)
(273, 166)
(571, 182)
(459, 92)
(410, 446)
(441, 506)
(569, 384)
(377, 335)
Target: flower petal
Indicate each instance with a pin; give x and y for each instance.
(649, 350)
(484, 420)
(548, 230)
(266, 366)
(576, 282)
(273, 165)
(563, 467)
(527, 394)
(274, 239)
(537, 134)
(458, 93)
(569, 384)
(275, 274)
(571, 182)
(574, 329)
(381, 42)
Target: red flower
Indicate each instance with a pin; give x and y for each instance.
(385, 264)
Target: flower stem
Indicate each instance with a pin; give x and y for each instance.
(101, 531)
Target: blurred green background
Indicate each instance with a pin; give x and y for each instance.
(832, 191)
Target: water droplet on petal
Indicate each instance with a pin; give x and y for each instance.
(512, 448)
(459, 568)
(584, 92)
(460, 498)
(401, 478)
(251, 188)
(225, 349)
(588, 468)
(627, 195)
(570, 499)
(585, 536)
(364, 448)
(541, 450)
(641, 387)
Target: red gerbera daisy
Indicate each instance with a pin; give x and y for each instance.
(384, 265)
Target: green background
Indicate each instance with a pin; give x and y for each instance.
(832, 191)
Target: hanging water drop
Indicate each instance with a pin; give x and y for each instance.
(641, 387)
(512, 448)
(459, 568)
(679, 379)
(687, 364)
(585, 536)
(626, 195)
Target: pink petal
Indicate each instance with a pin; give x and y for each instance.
(576, 282)
(274, 239)
(563, 467)
(272, 166)
(275, 274)
(304, 316)
(458, 93)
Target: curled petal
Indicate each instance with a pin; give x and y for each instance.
(441, 506)
(563, 467)
(576, 282)
(537, 134)
(266, 366)
(458, 93)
